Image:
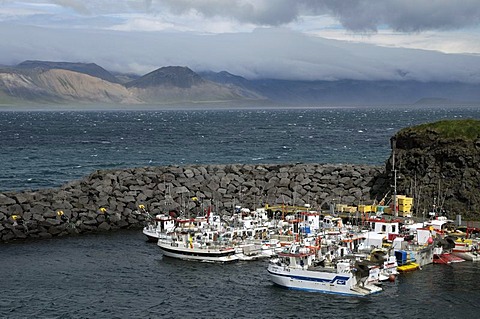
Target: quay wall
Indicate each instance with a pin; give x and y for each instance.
(110, 199)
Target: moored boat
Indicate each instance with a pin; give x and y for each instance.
(196, 246)
(157, 226)
(298, 269)
(467, 249)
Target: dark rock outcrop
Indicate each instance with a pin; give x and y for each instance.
(439, 164)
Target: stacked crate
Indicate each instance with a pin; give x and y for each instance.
(404, 205)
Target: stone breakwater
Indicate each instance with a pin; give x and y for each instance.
(110, 199)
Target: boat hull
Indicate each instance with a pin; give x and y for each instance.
(446, 258)
(319, 281)
(152, 236)
(467, 255)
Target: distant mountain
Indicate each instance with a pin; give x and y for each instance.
(226, 78)
(85, 68)
(65, 82)
(170, 76)
(181, 84)
(60, 86)
(352, 92)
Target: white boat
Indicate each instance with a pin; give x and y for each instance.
(296, 269)
(416, 247)
(157, 226)
(468, 249)
(196, 246)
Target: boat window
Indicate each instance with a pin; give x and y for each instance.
(384, 228)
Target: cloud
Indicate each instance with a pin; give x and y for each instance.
(265, 53)
(402, 15)
(356, 15)
(77, 6)
(254, 38)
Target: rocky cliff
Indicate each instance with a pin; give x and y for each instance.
(439, 165)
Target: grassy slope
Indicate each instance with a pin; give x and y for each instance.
(467, 129)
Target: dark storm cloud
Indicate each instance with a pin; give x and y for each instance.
(356, 15)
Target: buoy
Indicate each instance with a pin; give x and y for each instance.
(430, 240)
(391, 278)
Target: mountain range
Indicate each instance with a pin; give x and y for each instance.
(88, 83)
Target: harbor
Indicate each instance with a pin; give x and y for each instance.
(86, 240)
(318, 251)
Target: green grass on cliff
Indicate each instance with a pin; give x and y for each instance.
(468, 129)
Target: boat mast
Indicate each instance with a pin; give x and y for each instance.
(395, 211)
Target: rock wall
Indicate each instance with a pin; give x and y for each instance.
(110, 199)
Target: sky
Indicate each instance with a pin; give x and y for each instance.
(424, 40)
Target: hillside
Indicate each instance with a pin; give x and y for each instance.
(60, 86)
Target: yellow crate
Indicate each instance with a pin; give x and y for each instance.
(405, 200)
(350, 209)
(365, 208)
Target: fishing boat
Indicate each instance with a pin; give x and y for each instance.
(298, 268)
(157, 226)
(199, 246)
(467, 249)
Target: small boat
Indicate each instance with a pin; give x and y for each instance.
(410, 266)
(467, 249)
(196, 246)
(297, 268)
(157, 226)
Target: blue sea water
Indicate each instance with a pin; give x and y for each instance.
(47, 149)
(120, 275)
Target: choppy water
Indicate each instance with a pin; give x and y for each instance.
(120, 275)
(45, 149)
